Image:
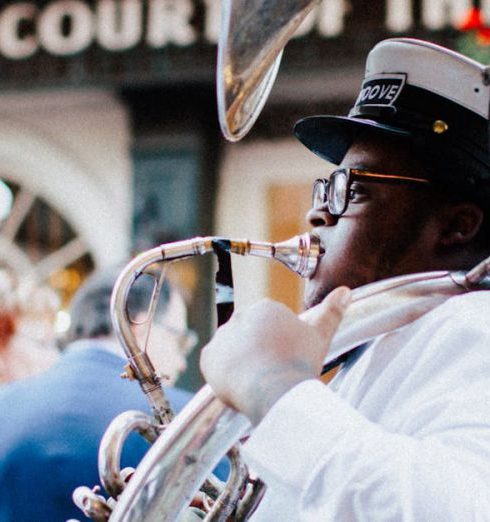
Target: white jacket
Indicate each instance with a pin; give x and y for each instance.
(401, 434)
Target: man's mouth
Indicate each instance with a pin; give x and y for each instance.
(321, 253)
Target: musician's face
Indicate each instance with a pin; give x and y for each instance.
(386, 229)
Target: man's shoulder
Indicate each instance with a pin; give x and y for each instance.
(460, 322)
(470, 306)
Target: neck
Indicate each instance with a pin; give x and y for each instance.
(463, 259)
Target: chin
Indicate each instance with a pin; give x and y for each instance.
(314, 295)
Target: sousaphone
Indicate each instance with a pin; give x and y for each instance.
(185, 449)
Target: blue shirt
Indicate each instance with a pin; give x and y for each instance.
(50, 430)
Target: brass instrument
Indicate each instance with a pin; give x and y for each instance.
(185, 450)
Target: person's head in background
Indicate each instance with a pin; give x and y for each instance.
(27, 315)
(39, 305)
(170, 340)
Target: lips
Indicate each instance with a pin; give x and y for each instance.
(321, 252)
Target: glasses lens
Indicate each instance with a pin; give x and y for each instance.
(337, 192)
(319, 193)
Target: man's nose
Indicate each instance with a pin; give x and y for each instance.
(320, 217)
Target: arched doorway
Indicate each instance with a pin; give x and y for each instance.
(38, 243)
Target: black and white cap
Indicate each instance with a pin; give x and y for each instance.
(436, 97)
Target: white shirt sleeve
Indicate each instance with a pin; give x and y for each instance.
(336, 464)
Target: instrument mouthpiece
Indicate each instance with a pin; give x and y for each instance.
(299, 253)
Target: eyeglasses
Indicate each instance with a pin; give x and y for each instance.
(335, 192)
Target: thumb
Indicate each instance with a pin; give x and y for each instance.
(326, 316)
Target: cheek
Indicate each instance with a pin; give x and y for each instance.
(342, 248)
(352, 252)
(351, 243)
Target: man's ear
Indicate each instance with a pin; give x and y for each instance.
(460, 223)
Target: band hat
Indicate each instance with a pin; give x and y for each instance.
(434, 96)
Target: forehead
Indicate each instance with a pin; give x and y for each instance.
(383, 153)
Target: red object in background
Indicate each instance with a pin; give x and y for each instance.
(7, 328)
(474, 22)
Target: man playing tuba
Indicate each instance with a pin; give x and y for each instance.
(402, 432)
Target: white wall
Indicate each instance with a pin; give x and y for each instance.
(246, 173)
(72, 148)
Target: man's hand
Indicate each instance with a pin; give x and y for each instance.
(263, 352)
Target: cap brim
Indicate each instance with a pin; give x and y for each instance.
(331, 136)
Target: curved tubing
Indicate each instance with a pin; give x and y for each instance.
(176, 465)
(112, 443)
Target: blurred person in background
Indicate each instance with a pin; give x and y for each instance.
(52, 424)
(39, 305)
(27, 316)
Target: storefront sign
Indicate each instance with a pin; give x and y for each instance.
(67, 27)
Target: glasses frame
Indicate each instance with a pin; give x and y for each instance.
(325, 193)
